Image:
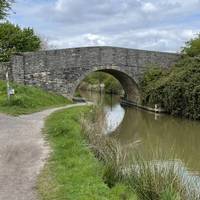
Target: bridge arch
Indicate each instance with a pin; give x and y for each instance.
(126, 80)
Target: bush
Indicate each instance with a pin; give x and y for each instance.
(177, 90)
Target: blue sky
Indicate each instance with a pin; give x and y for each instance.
(162, 25)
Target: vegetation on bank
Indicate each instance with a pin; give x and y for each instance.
(72, 171)
(28, 99)
(95, 79)
(87, 164)
(177, 89)
(149, 179)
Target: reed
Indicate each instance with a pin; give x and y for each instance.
(106, 149)
(154, 180)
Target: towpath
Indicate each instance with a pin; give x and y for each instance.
(23, 152)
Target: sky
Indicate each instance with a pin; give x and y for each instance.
(161, 25)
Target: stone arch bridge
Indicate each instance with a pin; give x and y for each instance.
(62, 70)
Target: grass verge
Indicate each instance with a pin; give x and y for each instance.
(72, 171)
(28, 99)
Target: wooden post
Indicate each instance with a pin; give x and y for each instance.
(156, 108)
(8, 86)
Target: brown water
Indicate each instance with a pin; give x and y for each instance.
(174, 137)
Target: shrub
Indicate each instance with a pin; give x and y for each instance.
(176, 90)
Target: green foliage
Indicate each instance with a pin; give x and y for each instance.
(192, 47)
(72, 171)
(5, 6)
(177, 90)
(96, 78)
(112, 85)
(27, 99)
(14, 39)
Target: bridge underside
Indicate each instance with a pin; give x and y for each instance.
(129, 85)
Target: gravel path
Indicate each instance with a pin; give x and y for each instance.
(22, 154)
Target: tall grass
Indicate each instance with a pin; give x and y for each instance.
(150, 180)
(105, 148)
(160, 180)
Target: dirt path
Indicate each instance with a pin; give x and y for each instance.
(22, 154)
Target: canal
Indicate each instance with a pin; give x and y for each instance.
(168, 136)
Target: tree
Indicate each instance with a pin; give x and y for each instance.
(13, 39)
(192, 47)
(5, 6)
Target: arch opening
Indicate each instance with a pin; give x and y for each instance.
(129, 85)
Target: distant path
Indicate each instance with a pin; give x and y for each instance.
(22, 153)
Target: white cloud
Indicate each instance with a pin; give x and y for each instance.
(145, 24)
(82, 40)
(149, 7)
(149, 39)
(95, 39)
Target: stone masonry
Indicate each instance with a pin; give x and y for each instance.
(62, 70)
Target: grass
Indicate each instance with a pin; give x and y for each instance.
(72, 171)
(28, 99)
(159, 180)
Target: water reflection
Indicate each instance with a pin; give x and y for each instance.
(114, 117)
(163, 132)
(114, 112)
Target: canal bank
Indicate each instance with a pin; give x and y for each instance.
(70, 177)
(156, 109)
(72, 171)
(153, 130)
